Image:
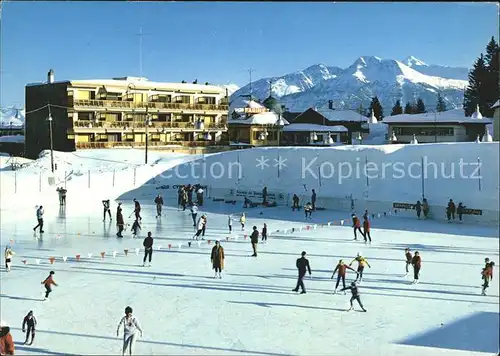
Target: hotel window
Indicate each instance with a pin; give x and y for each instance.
(423, 131)
(155, 137)
(184, 99)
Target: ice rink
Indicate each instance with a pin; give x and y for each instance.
(252, 309)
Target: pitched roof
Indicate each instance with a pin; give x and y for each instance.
(264, 118)
(314, 127)
(337, 115)
(496, 105)
(450, 116)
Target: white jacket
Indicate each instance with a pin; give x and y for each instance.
(194, 209)
(201, 223)
(39, 213)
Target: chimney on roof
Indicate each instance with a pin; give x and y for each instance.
(50, 76)
(330, 105)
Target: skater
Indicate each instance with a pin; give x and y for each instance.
(313, 200)
(6, 342)
(295, 202)
(264, 196)
(460, 211)
(148, 249)
(450, 210)
(106, 206)
(30, 321)
(355, 296)
(217, 259)
(136, 227)
(366, 228)
(180, 191)
(487, 275)
(62, 195)
(8, 257)
(418, 208)
(137, 210)
(230, 222)
(342, 269)
(425, 208)
(417, 264)
(264, 233)
(303, 266)
(205, 220)
(47, 283)
(254, 239)
(201, 223)
(184, 198)
(243, 219)
(356, 226)
(194, 213)
(119, 220)
(361, 265)
(308, 211)
(159, 203)
(409, 258)
(365, 215)
(130, 325)
(199, 195)
(39, 217)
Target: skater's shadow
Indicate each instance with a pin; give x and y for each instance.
(270, 305)
(18, 298)
(38, 351)
(432, 291)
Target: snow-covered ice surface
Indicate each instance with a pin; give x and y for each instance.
(252, 309)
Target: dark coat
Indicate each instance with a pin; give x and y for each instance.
(303, 266)
(148, 242)
(119, 216)
(217, 257)
(254, 238)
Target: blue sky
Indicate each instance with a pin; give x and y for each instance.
(218, 42)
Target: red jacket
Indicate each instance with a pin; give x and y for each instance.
(6, 342)
(342, 269)
(355, 222)
(366, 225)
(488, 273)
(416, 261)
(49, 281)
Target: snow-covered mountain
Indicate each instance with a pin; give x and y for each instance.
(368, 76)
(11, 117)
(436, 70)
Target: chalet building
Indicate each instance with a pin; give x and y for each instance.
(447, 126)
(124, 111)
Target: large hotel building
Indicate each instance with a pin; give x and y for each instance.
(123, 112)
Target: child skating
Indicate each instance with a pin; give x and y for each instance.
(9, 254)
(355, 296)
(243, 220)
(130, 326)
(30, 322)
(361, 265)
(48, 282)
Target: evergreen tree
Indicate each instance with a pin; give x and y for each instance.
(378, 111)
(420, 107)
(408, 108)
(492, 90)
(440, 105)
(397, 108)
(476, 92)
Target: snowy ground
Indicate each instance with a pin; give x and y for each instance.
(252, 310)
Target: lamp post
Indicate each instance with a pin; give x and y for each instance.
(51, 141)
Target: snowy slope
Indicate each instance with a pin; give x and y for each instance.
(388, 79)
(11, 117)
(436, 70)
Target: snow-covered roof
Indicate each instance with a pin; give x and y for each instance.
(341, 115)
(120, 84)
(496, 105)
(372, 119)
(15, 138)
(314, 128)
(450, 116)
(264, 118)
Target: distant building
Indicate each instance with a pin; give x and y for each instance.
(119, 111)
(496, 121)
(446, 126)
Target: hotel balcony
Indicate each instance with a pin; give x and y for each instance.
(151, 144)
(91, 126)
(114, 104)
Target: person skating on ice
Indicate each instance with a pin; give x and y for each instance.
(313, 200)
(204, 228)
(409, 258)
(450, 210)
(356, 225)
(425, 208)
(39, 217)
(199, 229)
(418, 209)
(7, 346)
(341, 270)
(137, 210)
(230, 222)
(159, 204)
(243, 220)
(295, 202)
(106, 206)
(194, 213)
(366, 228)
(355, 296)
(417, 264)
(217, 259)
(487, 276)
(130, 327)
(303, 266)
(254, 239)
(29, 321)
(460, 211)
(136, 226)
(308, 211)
(120, 223)
(9, 254)
(48, 282)
(148, 249)
(264, 233)
(362, 262)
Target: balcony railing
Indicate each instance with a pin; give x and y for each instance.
(124, 125)
(112, 144)
(151, 105)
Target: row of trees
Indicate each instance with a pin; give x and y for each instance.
(410, 108)
(483, 88)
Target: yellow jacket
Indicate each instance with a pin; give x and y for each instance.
(361, 261)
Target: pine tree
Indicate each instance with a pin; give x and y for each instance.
(492, 90)
(408, 108)
(475, 94)
(397, 108)
(420, 107)
(378, 111)
(440, 105)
